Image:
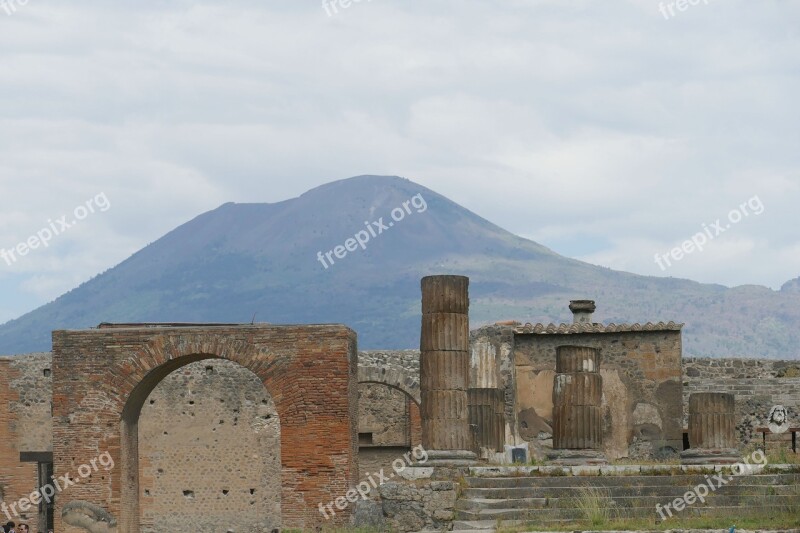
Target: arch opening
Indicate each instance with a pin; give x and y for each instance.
(389, 425)
(169, 470)
(209, 451)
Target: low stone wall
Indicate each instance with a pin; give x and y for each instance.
(736, 368)
(419, 505)
(758, 385)
(373, 459)
(413, 498)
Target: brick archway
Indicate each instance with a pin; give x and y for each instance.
(398, 369)
(102, 377)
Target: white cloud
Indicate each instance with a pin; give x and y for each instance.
(590, 121)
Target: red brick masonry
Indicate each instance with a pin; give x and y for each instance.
(102, 377)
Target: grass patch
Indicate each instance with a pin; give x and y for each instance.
(784, 456)
(595, 504)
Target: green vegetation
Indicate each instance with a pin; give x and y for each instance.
(599, 514)
(781, 456)
(784, 456)
(746, 520)
(596, 505)
(791, 372)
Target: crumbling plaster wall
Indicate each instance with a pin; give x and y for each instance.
(642, 387)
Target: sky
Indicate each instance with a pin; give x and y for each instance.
(612, 131)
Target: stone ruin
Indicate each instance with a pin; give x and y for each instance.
(254, 427)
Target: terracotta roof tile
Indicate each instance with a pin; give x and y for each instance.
(564, 329)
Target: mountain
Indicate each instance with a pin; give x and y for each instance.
(792, 285)
(244, 260)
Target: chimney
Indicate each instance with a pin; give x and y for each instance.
(582, 311)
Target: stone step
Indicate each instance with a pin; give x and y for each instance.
(620, 470)
(615, 481)
(560, 515)
(666, 492)
(522, 515)
(521, 503)
(626, 502)
(480, 525)
(485, 502)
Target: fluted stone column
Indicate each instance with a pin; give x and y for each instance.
(577, 411)
(712, 429)
(444, 367)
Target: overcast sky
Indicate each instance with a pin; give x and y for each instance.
(609, 131)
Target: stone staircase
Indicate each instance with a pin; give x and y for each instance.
(493, 495)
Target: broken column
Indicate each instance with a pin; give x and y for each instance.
(712, 429)
(486, 402)
(577, 412)
(486, 420)
(444, 369)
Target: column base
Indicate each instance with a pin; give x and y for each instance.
(449, 458)
(576, 457)
(710, 456)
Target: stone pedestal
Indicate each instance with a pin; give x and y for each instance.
(577, 412)
(781, 441)
(712, 429)
(444, 368)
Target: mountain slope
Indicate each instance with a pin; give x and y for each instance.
(243, 259)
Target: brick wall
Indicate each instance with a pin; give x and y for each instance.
(25, 426)
(183, 413)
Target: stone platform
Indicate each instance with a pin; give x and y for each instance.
(481, 497)
(548, 495)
